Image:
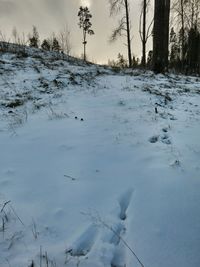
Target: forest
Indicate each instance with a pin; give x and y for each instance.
(169, 31)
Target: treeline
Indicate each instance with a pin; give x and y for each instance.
(177, 47)
(59, 42)
(174, 26)
(185, 36)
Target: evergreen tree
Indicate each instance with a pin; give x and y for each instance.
(46, 45)
(150, 59)
(174, 50)
(121, 61)
(55, 45)
(85, 24)
(34, 38)
(193, 54)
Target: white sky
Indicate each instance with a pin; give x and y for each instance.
(51, 15)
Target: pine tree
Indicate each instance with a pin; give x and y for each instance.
(150, 59)
(46, 45)
(85, 24)
(121, 61)
(193, 54)
(174, 49)
(55, 45)
(34, 39)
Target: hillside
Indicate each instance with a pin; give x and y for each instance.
(93, 157)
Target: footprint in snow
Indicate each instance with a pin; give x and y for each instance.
(124, 202)
(176, 163)
(165, 129)
(118, 230)
(119, 257)
(172, 118)
(165, 139)
(154, 139)
(84, 243)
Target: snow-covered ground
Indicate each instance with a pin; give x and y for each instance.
(89, 172)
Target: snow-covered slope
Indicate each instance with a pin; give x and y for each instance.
(96, 163)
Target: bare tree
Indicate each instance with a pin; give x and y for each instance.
(34, 38)
(186, 17)
(15, 35)
(179, 8)
(193, 9)
(64, 38)
(145, 32)
(3, 37)
(124, 26)
(85, 24)
(22, 39)
(18, 38)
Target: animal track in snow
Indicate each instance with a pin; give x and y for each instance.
(165, 116)
(165, 139)
(84, 243)
(165, 129)
(124, 202)
(154, 139)
(119, 257)
(118, 230)
(176, 163)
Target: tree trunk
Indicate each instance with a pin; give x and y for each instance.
(128, 34)
(84, 51)
(182, 34)
(158, 44)
(166, 31)
(144, 33)
(161, 35)
(84, 45)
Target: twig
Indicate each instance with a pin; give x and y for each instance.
(40, 256)
(70, 177)
(3, 225)
(46, 257)
(123, 241)
(34, 230)
(16, 236)
(4, 205)
(17, 215)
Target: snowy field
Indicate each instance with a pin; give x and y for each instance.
(97, 165)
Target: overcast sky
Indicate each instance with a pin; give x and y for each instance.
(51, 15)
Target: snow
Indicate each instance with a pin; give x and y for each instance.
(84, 243)
(123, 172)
